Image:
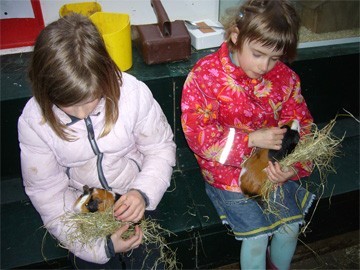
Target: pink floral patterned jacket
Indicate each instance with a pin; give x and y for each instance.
(221, 105)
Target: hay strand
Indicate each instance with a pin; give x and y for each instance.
(318, 147)
(315, 150)
(87, 228)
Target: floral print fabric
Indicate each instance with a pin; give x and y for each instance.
(221, 105)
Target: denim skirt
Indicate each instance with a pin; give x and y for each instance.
(250, 218)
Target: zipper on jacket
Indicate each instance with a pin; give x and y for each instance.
(95, 148)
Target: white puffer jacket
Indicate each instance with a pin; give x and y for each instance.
(54, 171)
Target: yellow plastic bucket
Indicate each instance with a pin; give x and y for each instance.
(115, 30)
(85, 8)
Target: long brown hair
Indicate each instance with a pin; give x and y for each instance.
(273, 23)
(70, 64)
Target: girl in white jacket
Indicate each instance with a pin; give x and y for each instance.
(90, 124)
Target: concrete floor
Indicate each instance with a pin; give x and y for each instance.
(347, 258)
(338, 252)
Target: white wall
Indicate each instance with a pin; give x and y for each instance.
(140, 11)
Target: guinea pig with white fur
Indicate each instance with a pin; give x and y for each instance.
(253, 175)
(95, 199)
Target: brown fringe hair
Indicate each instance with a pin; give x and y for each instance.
(70, 64)
(273, 23)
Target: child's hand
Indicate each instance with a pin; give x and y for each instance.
(278, 175)
(130, 207)
(121, 245)
(269, 138)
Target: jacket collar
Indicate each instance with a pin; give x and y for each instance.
(235, 72)
(70, 120)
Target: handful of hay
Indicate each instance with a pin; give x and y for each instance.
(318, 147)
(86, 228)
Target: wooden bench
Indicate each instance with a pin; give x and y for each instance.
(201, 240)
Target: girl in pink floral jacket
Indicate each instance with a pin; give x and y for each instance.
(237, 99)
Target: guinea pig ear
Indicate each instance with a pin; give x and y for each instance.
(117, 196)
(295, 125)
(86, 189)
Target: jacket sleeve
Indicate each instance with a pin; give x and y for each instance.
(295, 108)
(46, 184)
(154, 139)
(204, 133)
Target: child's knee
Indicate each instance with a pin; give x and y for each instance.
(253, 253)
(288, 230)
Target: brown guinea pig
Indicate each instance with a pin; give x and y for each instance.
(95, 199)
(253, 175)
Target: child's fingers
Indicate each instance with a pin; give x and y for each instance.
(124, 245)
(120, 210)
(140, 235)
(133, 214)
(121, 230)
(271, 172)
(122, 206)
(277, 174)
(135, 240)
(130, 207)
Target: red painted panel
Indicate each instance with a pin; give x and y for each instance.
(21, 32)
